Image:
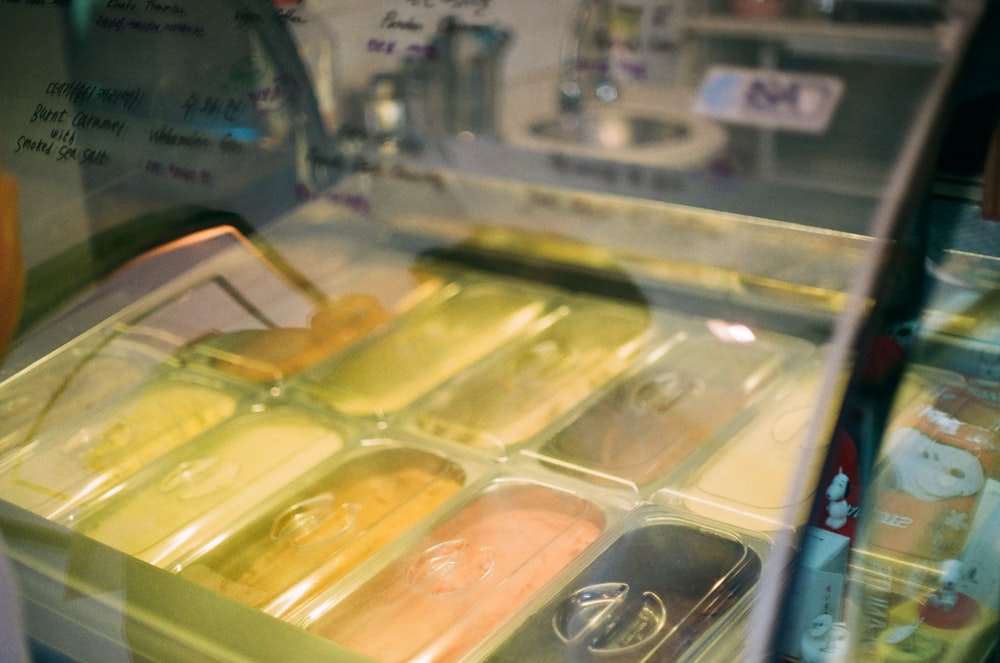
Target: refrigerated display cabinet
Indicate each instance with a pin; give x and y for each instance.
(429, 331)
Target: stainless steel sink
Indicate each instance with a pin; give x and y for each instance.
(611, 130)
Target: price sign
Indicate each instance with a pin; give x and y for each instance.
(770, 99)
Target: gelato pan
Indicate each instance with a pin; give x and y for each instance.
(365, 301)
(651, 422)
(424, 349)
(192, 495)
(309, 540)
(654, 593)
(261, 355)
(447, 593)
(748, 483)
(527, 386)
(77, 462)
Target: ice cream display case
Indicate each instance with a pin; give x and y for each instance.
(460, 342)
(423, 451)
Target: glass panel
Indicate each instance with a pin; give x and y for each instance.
(924, 583)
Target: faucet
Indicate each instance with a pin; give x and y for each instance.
(456, 86)
(585, 71)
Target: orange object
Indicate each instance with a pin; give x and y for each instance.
(11, 265)
(262, 354)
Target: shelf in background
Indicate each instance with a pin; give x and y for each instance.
(921, 43)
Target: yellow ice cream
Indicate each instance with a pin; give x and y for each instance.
(748, 483)
(195, 494)
(77, 379)
(425, 349)
(70, 465)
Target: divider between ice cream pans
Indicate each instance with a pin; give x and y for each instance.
(520, 635)
(666, 328)
(361, 521)
(191, 492)
(758, 406)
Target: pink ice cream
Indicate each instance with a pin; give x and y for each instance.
(442, 597)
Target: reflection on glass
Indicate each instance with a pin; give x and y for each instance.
(363, 302)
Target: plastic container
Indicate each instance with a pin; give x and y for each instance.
(70, 382)
(693, 391)
(350, 307)
(327, 524)
(70, 465)
(190, 496)
(526, 386)
(423, 349)
(656, 593)
(442, 596)
(748, 482)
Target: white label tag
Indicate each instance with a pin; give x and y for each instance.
(770, 99)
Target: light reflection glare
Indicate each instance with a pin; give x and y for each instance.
(729, 332)
(612, 134)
